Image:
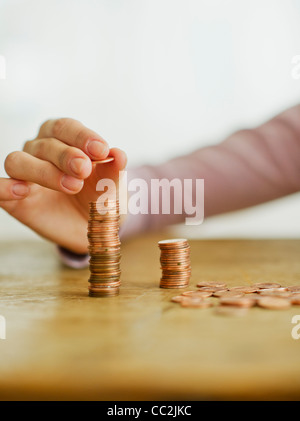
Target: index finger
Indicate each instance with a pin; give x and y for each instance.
(74, 133)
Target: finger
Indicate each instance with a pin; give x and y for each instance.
(74, 133)
(23, 166)
(68, 159)
(111, 169)
(13, 189)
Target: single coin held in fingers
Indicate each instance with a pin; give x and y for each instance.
(104, 161)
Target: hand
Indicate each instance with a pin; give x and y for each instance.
(52, 181)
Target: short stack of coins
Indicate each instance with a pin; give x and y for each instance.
(175, 263)
(104, 249)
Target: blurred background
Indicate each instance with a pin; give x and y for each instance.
(155, 77)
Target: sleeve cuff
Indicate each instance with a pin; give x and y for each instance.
(73, 260)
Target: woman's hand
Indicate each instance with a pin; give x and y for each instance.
(52, 181)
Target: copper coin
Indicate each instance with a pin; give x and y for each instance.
(219, 292)
(104, 161)
(244, 302)
(245, 289)
(295, 288)
(177, 299)
(295, 299)
(272, 293)
(211, 284)
(211, 289)
(229, 294)
(200, 294)
(274, 303)
(266, 285)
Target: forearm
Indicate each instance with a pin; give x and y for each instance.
(249, 167)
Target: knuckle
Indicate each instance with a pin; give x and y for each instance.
(64, 158)
(45, 177)
(11, 161)
(44, 126)
(59, 125)
(39, 148)
(27, 146)
(81, 137)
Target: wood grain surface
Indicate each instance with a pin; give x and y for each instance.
(62, 344)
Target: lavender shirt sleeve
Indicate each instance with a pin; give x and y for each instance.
(249, 167)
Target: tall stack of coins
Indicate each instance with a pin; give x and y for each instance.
(175, 263)
(104, 249)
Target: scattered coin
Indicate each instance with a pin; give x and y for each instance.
(212, 284)
(280, 289)
(266, 285)
(245, 289)
(295, 288)
(219, 292)
(237, 300)
(295, 299)
(177, 298)
(210, 289)
(244, 302)
(175, 263)
(273, 293)
(234, 294)
(199, 294)
(274, 303)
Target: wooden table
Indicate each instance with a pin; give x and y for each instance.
(62, 344)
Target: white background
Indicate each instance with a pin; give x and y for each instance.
(154, 77)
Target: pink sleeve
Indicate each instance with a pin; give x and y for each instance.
(250, 167)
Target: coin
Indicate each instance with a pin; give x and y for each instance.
(200, 294)
(211, 289)
(265, 285)
(295, 299)
(244, 302)
(104, 161)
(219, 292)
(279, 289)
(212, 284)
(295, 288)
(235, 294)
(274, 303)
(177, 298)
(245, 289)
(273, 293)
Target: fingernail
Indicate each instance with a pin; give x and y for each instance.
(97, 149)
(71, 183)
(20, 189)
(77, 165)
